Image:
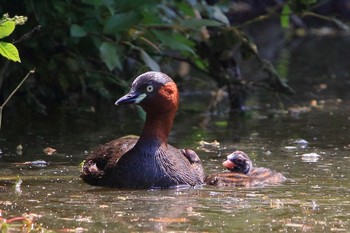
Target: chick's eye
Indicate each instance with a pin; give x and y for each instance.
(149, 88)
(239, 161)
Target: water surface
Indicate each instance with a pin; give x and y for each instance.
(316, 197)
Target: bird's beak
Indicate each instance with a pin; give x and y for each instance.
(228, 164)
(131, 98)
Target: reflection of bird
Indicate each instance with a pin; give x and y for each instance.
(242, 173)
(146, 161)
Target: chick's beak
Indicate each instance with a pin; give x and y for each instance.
(131, 98)
(228, 164)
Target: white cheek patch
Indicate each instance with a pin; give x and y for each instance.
(140, 98)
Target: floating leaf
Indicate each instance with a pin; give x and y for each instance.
(6, 28)
(77, 31)
(149, 60)
(9, 51)
(109, 55)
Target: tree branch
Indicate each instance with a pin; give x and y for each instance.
(13, 92)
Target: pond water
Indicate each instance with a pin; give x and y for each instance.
(316, 197)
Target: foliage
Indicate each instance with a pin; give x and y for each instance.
(293, 6)
(94, 47)
(7, 26)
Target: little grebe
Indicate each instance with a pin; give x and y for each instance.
(146, 161)
(242, 173)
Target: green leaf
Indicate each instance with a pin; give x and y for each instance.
(77, 31)
(200, 64)
(109, 55)
(285, 16)
(131, 5)
(196, 23)
(217, 13)
(176, 42)
(6, 28)
(9, 51)
(149, 18)
(59, 6)
(186, 8)
(94, 2)
(149, 60)
(120, 22)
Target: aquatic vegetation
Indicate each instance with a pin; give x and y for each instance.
(24, 223)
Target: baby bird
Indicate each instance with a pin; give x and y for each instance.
(243, 174)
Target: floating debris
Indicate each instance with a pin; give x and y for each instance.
(36, 163)
(32, 216)
(290, 148)
(213, 143)
(276, 203)
(301, 142)
(49, 151)
(295, 144)
(168, 220)
(209, 146)
(310, 157)
(297, 110)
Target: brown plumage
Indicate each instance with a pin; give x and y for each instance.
(147, 161)
(242, 173)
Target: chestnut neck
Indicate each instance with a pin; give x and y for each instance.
(158, 126)
(160, 114)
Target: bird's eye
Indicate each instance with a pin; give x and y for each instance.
(149, 88)
(239, 161)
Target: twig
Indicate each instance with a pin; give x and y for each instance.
(337, 22)
(27, 35)
(13, 92)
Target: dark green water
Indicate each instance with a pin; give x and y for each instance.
(316, 197)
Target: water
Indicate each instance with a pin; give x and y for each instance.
(316, 197)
